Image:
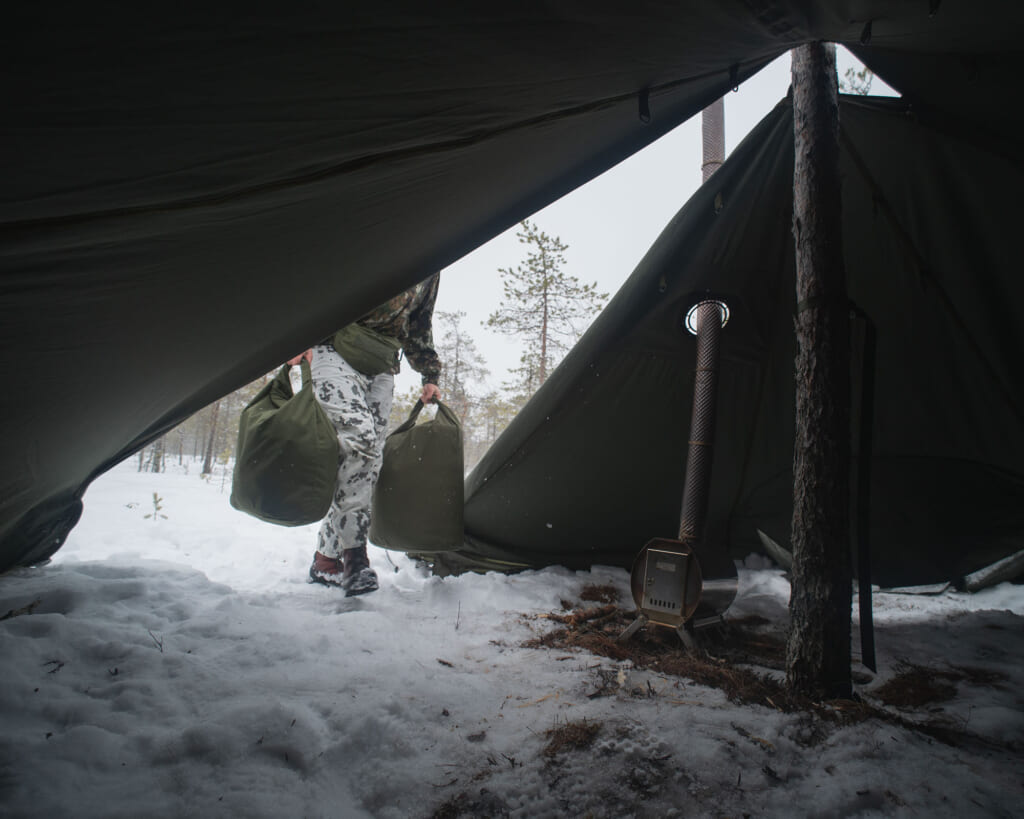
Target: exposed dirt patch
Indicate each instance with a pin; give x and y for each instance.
(917, 686)
(597, 629)
(594, 593)
(571, 736)
(982, 676)
(480, 805)
(725, 661)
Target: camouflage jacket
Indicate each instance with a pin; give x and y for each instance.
(408, 317)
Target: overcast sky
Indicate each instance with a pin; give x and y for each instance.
(611, 222)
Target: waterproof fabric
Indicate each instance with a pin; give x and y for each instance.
(368, 351)
(417, 503)
(287, 454)
(167, 172)
(593, 466)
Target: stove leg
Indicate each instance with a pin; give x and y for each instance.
(633, 628)
(689, 639)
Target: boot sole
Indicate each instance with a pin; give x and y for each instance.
(323, 581)
(363, 583)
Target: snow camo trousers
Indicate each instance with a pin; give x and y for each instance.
(358, 406)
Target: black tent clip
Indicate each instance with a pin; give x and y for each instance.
(645, 105)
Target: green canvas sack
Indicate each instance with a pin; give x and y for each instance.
(286, 464)
(418, 500)
(368, 351)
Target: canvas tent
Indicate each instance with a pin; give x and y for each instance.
(192, 195)
(609, 429)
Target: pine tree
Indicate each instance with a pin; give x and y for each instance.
(211, 439)
(544, 306)
(857, 82)
(818, 647)
(401, 406)
(157, 455)
(492, 413)
(462, 365)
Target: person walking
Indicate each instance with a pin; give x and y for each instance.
(353, 378)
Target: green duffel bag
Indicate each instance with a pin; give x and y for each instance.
(418, 500)
(286, 463)
(368, 351)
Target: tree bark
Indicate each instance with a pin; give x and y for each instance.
(156, 455)
(208, 460)
(544, 338)
(818, 649)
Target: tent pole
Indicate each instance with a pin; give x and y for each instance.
(867, 336)
(818, 648)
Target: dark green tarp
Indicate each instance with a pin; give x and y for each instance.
(172, 177)
(593, 467)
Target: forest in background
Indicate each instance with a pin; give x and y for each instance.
(544, 310)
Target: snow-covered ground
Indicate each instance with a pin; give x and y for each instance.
(182, 666)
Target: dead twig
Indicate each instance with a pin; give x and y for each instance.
(23, 610)
(159, 642)
(581, 616)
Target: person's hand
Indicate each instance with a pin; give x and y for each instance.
(430, 393)
(308, 355)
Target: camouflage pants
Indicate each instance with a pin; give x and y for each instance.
(358, 406)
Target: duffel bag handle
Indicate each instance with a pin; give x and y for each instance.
(281, 386)
(442, 408)
(307, 373)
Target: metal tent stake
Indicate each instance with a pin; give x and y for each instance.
(667, 581)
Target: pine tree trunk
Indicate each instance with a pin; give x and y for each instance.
(818, 650)
(156, 456)
(208, 461)
(543, 376)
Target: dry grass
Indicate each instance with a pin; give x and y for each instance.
(594, 593)
(571, 736)
(725, 665)
(917, 686)
(596, 630)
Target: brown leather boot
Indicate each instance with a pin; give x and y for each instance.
(326, 570)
